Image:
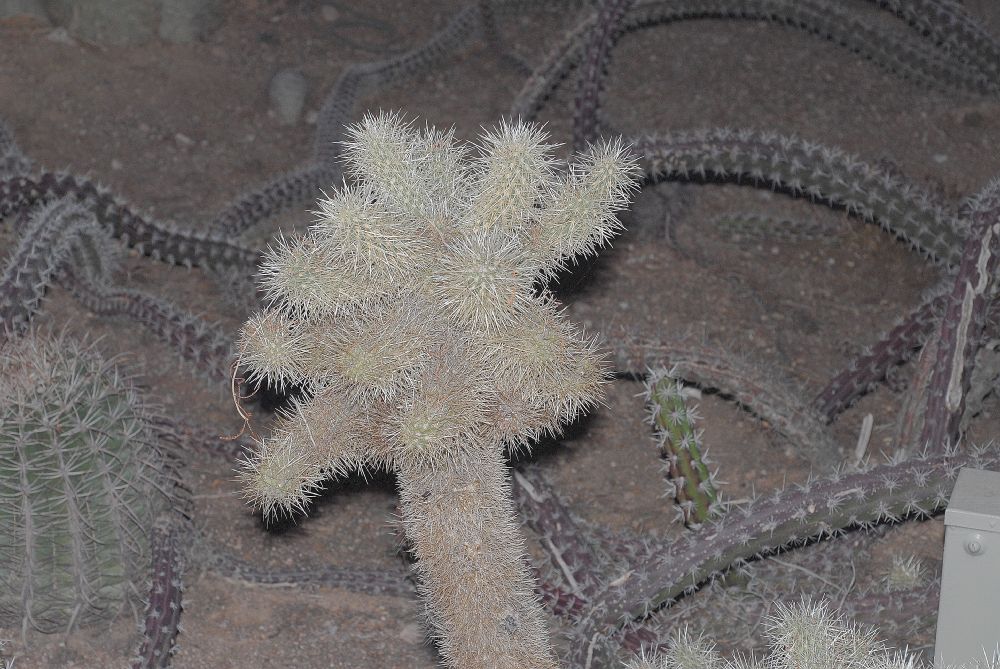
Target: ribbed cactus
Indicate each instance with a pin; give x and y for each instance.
(692, 484)
(413, 312)
(82, 477)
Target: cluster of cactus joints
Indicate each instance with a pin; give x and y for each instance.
(83, 475)
(414, 311)
(808, 634)
(692, 483)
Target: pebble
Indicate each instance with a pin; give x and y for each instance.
(183, 139)
(329, 13)
(61, 36)
(111, 22)
(184, 21)
(287, 92)
(116, 164)
(412, 634)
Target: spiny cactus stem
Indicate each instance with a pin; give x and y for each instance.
(773, 399)
(161, 241)
(955, 31)
(822, 173)
(896, 346)
(279, 194)
(825, 507)
(48, 234)
(910, 58)
(961, 325)
(335, 112)
(596, 56)
(549, 517)
(679, 445)
(163, 610)
(196, 340)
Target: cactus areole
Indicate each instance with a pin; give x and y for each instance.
(414, 312)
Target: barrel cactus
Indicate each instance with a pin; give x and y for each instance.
(83, 475)
(414, 312)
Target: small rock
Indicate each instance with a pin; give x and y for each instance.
(288, 95)
(116, 164)
(329, 13)
(312, 116)
(412, 634)
(184, 21)
(61, 36)
(972, 118)
(112, 22)
(183, 139)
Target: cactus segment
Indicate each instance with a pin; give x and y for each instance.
(680, 446)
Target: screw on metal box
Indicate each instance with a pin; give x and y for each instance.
(969, 611)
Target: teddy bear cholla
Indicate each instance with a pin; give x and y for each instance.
(414, 313)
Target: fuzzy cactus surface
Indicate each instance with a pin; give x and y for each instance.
(415, 314)
(82, 477)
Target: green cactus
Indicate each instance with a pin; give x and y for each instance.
(691, 483)
(82, 477)
(414, 313)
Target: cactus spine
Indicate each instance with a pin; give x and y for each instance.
(411, 310)
(82, 478)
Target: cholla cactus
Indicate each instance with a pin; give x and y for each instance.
(414, 312)
(807, 635)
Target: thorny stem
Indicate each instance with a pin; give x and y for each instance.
(818, 508)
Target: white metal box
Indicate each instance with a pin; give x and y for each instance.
(968, 627)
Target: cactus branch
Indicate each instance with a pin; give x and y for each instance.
(596, 56)
(777, 401)
(821, 173)
(162, 241)
(894, 347)
(49, 234)
(691, 483)
(161, 623)
(901, 54)
(961, 326)
(820, 507)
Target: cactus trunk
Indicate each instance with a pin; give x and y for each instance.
(473, 572)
